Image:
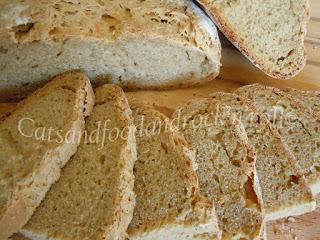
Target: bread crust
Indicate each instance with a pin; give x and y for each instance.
(28, 198)
(244, 48)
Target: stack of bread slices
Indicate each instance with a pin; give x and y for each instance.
(220, 168)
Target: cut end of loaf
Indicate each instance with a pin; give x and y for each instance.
(140, 63)
(270, 33)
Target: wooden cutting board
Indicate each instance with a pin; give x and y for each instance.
(238, 71)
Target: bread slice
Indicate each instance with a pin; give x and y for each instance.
(295, 123)
(137, 44)
(283, 188)
(93, 198)
(169, 205)
(226, 163)
(36, 141)
(270, 33)
(310, 99)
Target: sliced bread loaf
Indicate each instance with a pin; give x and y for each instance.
(283, 188)
(36, 141)
(295, 123)
(138, 44)
(226, 166)
(309, 99)
(93, 198)
(270, 33)
(169, 205)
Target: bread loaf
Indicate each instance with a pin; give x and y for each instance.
(283, 188)
(295, 123)
(169, 205)
(226, 169)
(270, 33)
(93, 198)
(137, 44)
(36, 141)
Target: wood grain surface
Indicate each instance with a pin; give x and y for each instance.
(238, 71)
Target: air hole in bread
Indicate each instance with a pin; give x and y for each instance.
(128, 12)
(164, 147)
(216, 178)
(251, 196)
(294, 179)
(225, 221)
(236, 163)
(22, 30)
(3, 50)
(59, 53)
(102, 159)
(101, 3)
(68, 88)
(99, 103)
(53, 31)
(107, 17)
(25, 84)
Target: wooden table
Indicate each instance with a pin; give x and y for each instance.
(238, 71)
